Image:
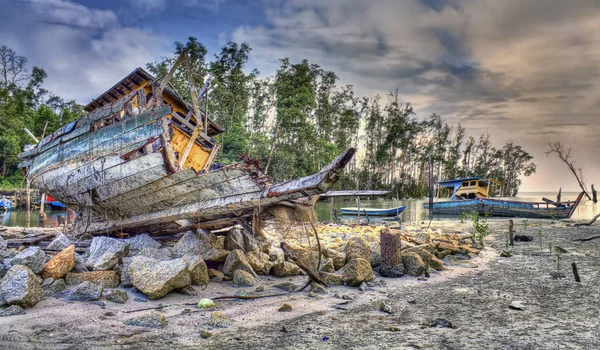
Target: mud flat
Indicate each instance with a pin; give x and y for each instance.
(471, 295)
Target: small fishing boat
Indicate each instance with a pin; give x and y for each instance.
(472, 195)
(373, 212)
(5, 204)
(53, 203)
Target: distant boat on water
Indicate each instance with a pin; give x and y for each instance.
(472, 195)
(5, 204)
(373, 211)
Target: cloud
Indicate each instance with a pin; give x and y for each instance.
(523, 70)
(83, 50)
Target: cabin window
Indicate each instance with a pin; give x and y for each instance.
(466, 183)
(473, 183)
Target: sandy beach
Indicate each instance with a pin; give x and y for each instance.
(473, 295)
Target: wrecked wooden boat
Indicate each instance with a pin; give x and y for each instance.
(142, 160)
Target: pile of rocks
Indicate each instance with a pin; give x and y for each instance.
(349, 256)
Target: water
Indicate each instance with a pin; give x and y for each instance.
(414, 209)
(18, 217)
(415, 212)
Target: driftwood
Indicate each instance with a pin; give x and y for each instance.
(588, 223)
(586, 239)
(594, 195)
(565, 156)
(511, 233)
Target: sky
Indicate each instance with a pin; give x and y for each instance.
(522, 70)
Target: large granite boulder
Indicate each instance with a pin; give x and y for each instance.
(162, 254)
(142, 241)
(357, 271)
(156, 278)
(105, 253)
(286, 269)
(60, 264)
(85, 291)
(197, 269)
(238, 238)
(358, 248)
(59, 243)
(20, 286)
(243, 278)
(258, 261)
(106, 279)
(32, 257)
(236, 260)
(413, 263)
(205, 246)
(3, 243)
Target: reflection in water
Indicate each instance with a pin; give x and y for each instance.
(18, 217)
(415, 212)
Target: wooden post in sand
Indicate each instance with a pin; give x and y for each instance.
(391, 253)
(511, 233)
(28, 203)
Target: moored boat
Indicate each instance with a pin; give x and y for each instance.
(472, 195)
(373, 211)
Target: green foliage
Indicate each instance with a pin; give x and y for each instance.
(481, 228)
(25, 104)
(463, 217)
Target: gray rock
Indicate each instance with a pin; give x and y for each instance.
(385, 308)
(32, 257)
(357, 271)
(239, 238)
(276, 255)
(287, 286)
(152, 319)
(413, 263)
(243, 278)
(12, 310)
(205, 246)
(220, 320)
(54, 286)
(3, 243)
(357, 247)
(20, 286)
(80, 261)
(142, 241)
(115, 295)
(85, 291)
(258, 261)
(375, 253)
(236, 260)
(156, 278)
(317, 288)
(162, 254)
(197, 269)
(124, 272)
(105, 253)
(3, 270)
(59, 243)
(286, 269)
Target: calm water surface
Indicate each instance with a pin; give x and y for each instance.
(415, 212)
(414, 209)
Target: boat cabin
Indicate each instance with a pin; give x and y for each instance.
(182, 119)
(469, 188)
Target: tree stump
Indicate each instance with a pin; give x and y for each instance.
(511, 233)
(391, 254)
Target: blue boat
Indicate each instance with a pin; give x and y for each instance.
(374, 212)
(472, 195)
(5, 204)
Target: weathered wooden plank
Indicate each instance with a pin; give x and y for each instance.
(132, 182)
(106, 176)
(192, 191)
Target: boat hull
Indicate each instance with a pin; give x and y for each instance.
(373, 212)
(505, 208)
